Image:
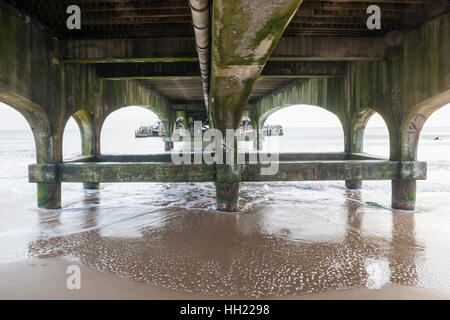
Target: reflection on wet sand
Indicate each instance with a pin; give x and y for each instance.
(262, 252)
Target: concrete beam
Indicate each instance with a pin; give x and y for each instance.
(161, 70)
(304, 69)
(285, 156)
(175, 50)
(168, 172)
(128, 50)
(154, 70)
(337, 170)
(121, 172)
(191, 107)
(244, 35)
(331, 48)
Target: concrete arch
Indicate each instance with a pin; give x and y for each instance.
(121, 94)
(355, 138)
(414, 122)
(165, 120)
(48, 142)
(362, 125)
(90, 134)
(48, 145)
(263, 118)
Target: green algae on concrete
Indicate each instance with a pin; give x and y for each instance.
(49, 195)
(228, 178)
(405, 89)
(334, 170)
(244, 33)
(307, 169)
(404, 194)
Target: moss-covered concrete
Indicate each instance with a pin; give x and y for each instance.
(404, 89)
(49, 195)
(243, 36)
(41, 78)
(35, 80)
(290, 170)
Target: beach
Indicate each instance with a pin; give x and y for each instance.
(291, 240)
(44, 279)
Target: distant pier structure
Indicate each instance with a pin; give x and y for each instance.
(214, 61)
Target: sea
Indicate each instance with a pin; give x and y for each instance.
(290, 238)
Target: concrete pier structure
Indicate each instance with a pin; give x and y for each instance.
(214, 61)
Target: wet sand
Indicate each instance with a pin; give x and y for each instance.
(46, 279)
(338, 248)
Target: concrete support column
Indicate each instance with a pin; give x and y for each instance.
(90, 140)
(182, 115)
(403, 144)
(49, 151)
(168, 131)
(404, 194)
(258, 142)
(354, 138)
(168, 146)
(49, 195)
(228, 179)
(243, 37)
(91, 186)
(353, 184)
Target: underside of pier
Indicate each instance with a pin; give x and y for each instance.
(214, 61)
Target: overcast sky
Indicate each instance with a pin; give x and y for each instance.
(294, 116)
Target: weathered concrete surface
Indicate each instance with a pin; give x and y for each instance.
(405, 81)
(227, 177)
(335, 170)
(128, 50)
(35, 81)
(405, 89)
(285, 156)
(121, 172)
(244, 35)
(311, 48)
(404, 194)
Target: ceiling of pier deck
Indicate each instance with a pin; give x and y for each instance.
(103, 19)
(178, 90)
(348, 17)
(171, 19)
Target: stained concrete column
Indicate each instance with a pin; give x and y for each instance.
(258, 142)
(354, 140)
(168, 145)
(404, 194)
(49, 151)
(168, 130)
(228, 178)
(182, 115)
(244, 34)
(90, 140)
(403, 144)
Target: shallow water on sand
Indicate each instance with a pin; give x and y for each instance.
(289, 238)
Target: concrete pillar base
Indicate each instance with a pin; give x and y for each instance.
(404, 194)
(227, 196)
(49, 195)
(168, 146)
(353, 184)
(257, 145)
(227, 187)
(91, 186)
